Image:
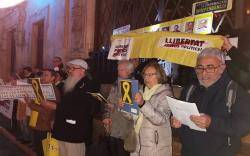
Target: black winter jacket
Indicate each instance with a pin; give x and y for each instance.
(74, 115)
(239, 67)
(212, 101)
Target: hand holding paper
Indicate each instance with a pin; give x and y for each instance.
(99, 96)
(202, 121)
(183, 110)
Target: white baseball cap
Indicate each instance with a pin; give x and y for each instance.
(79, 62)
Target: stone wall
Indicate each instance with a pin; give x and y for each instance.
(68, 31)
(11, 20)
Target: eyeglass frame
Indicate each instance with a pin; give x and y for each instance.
(149, 74)
(209, 67)
(73, 68)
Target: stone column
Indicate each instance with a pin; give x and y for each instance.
(89, 26)
(82, 26)
(66, 41)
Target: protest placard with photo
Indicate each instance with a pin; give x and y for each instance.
(203, 23)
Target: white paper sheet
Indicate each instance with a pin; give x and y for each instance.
(182, 111)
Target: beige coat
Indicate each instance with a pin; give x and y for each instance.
(120, 125)
(155, 136)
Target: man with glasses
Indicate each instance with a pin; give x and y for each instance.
(224, 128)
(73, 119)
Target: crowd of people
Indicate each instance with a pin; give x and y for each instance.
(70, 117)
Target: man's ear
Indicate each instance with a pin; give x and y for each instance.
(84, 72)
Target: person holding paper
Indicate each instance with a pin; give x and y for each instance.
(154, 137)
(113, 119)
(45, 113)
(225, 125)
(73, 124)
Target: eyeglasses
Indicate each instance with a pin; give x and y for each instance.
(148, 74)
(209, 68)
(73, 68)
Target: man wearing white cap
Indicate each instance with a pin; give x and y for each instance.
(73, 119)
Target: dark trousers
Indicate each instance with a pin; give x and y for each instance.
(38, 137)
(14, 126)
(117, 147)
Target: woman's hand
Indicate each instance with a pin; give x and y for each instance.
(175, 123)
(139, 99)
(121, 103)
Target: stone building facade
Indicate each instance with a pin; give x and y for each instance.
(35, 31)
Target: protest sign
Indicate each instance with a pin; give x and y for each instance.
(128, 89)
(6, 108)
(211, 6)
(203, 23)
(121, 30)
(175, 47)
(120, 49)
(36, 85)
(8, 92)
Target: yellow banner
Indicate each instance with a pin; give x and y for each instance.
(186, 24)
(176, 47)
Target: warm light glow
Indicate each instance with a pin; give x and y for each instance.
(248, 11)
(9, 3)
(154, 28)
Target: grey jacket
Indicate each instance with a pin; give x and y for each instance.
(120, 124)
(155, 136)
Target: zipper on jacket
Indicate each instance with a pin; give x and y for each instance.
(156, 137)
(139, 139)
(229, 141)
